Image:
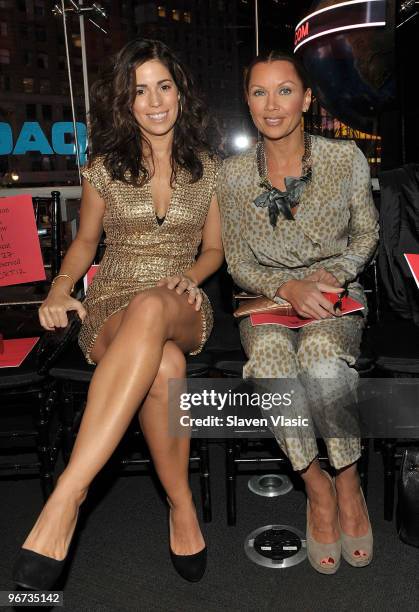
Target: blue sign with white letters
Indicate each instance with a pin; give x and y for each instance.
(33, 138)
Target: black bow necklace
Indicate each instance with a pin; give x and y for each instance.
(273, 199)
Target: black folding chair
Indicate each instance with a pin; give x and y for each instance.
(28, 431)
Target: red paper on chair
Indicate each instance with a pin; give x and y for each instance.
(89, 276)
(20, 252)
(413, 261)
(15, 351)
(295, 322)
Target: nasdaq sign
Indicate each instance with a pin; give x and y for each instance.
(32, 138)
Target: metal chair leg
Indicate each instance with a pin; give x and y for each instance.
(389, 449)
(204, 474)
(231, 447)
(44, 448)
(67, 418)
(363, 465)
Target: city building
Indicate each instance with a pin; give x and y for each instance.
(215, 38)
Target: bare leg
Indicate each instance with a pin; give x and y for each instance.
(352, 513)
(171, 455)
(323, 507)
(125, 373)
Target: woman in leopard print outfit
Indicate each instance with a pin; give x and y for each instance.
(294, 248)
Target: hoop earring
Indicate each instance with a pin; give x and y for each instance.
(180, 112)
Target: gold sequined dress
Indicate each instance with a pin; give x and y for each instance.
(140, 251)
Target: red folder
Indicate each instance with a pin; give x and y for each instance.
(295, 322)
(413, 261)
(15, 351)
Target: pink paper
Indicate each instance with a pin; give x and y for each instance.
(20, 252)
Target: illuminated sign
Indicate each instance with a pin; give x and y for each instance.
(339, 17)
(32, 138)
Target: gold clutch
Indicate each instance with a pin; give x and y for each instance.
(259, 304)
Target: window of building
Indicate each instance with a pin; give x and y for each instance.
(67, 115)
(27, 57)
(47, 162)
(70, 162)
(76, 40)
(4, 82)
(4, 56)
(39, 8)
(45, 86)
(31, 111)
(125, 8)
(64, 88)
(161, 11)
(187, 17)
(36, 165)
(4, 164)
(47, 112)
(3, 28)
(176, 15)
(24, 30)
(40, 34)
(42, 61)
(28, 84)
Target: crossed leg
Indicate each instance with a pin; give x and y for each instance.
(137, 350)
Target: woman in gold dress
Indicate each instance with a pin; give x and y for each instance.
(150, 185)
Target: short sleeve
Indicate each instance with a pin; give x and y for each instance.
(216, 168)
(95, 172)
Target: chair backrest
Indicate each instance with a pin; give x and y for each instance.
(399, 234)
(53, 229)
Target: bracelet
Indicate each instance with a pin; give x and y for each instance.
(54, 280)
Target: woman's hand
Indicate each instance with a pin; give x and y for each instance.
(306, 297)
(182, 283)
(53, 310)
(322, 276)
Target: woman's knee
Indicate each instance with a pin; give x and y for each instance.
(270, 357)
(319, 355)
(149, 305)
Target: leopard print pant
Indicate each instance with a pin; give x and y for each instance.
(319, 356)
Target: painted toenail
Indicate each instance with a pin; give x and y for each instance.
(328, 561)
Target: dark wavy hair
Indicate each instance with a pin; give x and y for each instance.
(116, 135)
(273, 56)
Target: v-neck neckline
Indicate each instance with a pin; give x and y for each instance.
(180, 180)
(153, 208)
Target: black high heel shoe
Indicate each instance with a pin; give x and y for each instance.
(35, 571)
(190, 567)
